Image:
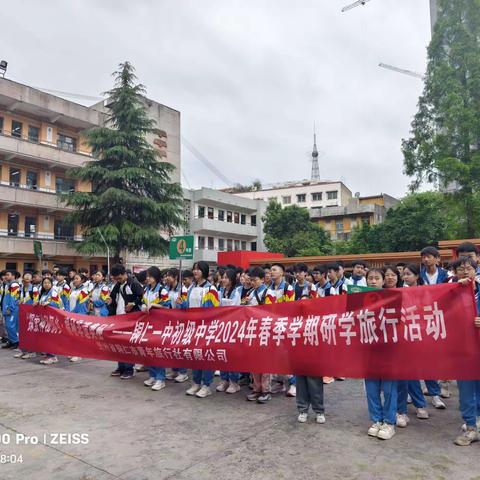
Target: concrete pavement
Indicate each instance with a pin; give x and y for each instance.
(137, 434)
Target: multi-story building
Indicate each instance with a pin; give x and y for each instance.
(340, 221)
(40, 140)
(222, 222)
(306, 193)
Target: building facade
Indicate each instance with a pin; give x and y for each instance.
(308, 194)
(40, 140)
(339, 222)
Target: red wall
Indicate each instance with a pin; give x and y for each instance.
(243, 258)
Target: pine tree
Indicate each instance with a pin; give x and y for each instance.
(132, 199)
(445, 141)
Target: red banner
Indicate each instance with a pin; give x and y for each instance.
(408, 333)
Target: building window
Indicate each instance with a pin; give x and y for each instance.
(339, 225)
(12, 225)
(62, 230)
(67, 143)
(244, 245)
(16, 129)
(29, 267)
(221, 215)
(253, 220)
(210, 213)
(32, 180)
(237, 245)
(253, 246)
(11, 266)
(14, 177)
(229, 245)
(201, 212)
(30, 226)
(221, 244)
(201, 243)
(236, 217)
(286, 199)
(64, 185)
(229, 216)
(302, 198)
(33, 134)
(366, 221)
(332, 195)
(211, 243)
(243, 219)
(1, 124)
(316, 197)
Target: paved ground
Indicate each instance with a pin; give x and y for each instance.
(137, 434)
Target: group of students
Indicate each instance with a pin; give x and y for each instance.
(231, 286)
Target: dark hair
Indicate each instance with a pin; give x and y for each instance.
(415, 269)
(289, 278)
(430, 251)
(46, 279)
(301, 267)
(141, 276)
(98, 270)
(256, 272)
(62, 272)
(378, 270)
(232, 276)
(267, 265)
(118, 269)
(187, 274)
(466, 247)
(3, 272)
(83, 277)
(280, 265)
(173, 272)
(45, 272)
(35, 272)
(363, 263)
(203, 267)
(153, 272)
(457, 263)
(13, 272)
(469, 261)
(340, 263)
(83, 270)
(26, 273)
(333, 266)
(401, 264)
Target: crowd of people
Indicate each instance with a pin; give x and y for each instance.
(124, 292)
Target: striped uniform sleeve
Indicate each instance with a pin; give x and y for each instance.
(270, 297)
(288, 294)
(211, 298)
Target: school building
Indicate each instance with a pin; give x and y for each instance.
(40, 140)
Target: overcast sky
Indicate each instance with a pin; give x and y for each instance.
(250, 77)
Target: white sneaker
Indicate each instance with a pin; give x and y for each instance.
(409, 399)
(374, 429)
(204, 392)
(28, 355)
(437, 403)
(386, 432)
(467, 437)
(222, 386)
(75, 359)
(158, 385)
(49, 361)
(292, 391)
(193, 389)
(233, 388)
(444, 388)
(402, 420)
(149, 382)
(422, 413)
(181, 377)
(171, 375)
(18, 355)
(302, 417)
(321, 418)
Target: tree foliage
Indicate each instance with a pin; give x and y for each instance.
(290, 231)
(418, 220)
(132, 199)
(445, 136)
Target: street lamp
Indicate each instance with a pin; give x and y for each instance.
(3, 67)
(108, 251)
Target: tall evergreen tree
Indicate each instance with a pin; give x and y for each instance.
(132, 199)
(444, 146)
